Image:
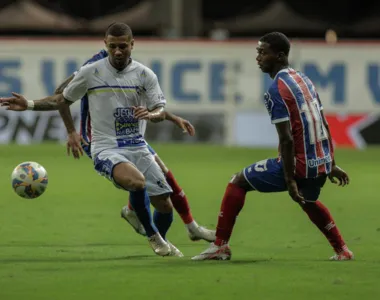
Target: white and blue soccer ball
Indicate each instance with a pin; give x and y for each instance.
(29, 180)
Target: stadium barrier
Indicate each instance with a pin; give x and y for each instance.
(216, 85)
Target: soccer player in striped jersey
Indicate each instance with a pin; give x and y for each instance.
(306, 153)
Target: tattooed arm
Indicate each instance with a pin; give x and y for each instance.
(64, 110)
(64, 84)
(50, 103)
(185, 125)
(74, 91)
(19, 103)
(157, 115)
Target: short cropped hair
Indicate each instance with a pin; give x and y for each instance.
(277, 41)
(119, 29)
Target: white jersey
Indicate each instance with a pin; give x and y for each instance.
(111, 96)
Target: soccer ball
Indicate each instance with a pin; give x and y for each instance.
(29, 180)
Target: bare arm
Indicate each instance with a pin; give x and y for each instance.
(74, 139)
(64, 84)
(286, 149)
(50, 103)
(157, 115)
(170, 117)
(185, 125)
(18, 102)
(64, 111)
(75, 90)
(337, 175)
(288, 157)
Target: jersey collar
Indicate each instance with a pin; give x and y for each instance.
(117, 72)
(285, 70)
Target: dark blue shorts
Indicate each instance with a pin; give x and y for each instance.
(267, 176)
(87, 150)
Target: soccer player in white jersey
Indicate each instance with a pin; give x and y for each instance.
(119, 91)
(178, 197)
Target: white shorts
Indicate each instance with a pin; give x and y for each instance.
(142, 159)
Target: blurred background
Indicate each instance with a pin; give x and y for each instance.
(203, 52)
(71, 242)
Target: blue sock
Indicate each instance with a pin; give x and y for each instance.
(141, 204)
(163, 222)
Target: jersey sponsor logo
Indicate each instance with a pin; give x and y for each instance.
(136, 141)
(125, 122)
(312, 163)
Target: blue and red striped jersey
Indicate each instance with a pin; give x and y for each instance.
(292, 97)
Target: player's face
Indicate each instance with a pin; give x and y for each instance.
(266, 58)
(119, 50)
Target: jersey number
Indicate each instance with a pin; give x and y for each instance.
(261, 165)
(317, 130)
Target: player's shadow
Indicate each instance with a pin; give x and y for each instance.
(186, 261)
(32, 245)
(248, 261)
(83, 255)
(70, 259)
(61, 253)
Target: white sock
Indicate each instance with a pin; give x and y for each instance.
(192, 226)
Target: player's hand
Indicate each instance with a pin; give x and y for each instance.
(141, 113)
(185, 125)
(294, 193)
(74, 145)
(16, 103)
(338, 176)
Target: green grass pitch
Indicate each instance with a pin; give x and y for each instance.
(72, 244)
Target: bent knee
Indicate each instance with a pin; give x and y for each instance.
(128, 177)
(239, 180)
(136, 184)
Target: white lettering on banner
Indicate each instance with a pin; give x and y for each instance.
(205, 77)
(347, 76)
(186, 76)
(32, 127)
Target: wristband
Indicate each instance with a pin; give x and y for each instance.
(30, 105)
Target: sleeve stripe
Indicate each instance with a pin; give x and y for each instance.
(280, 120)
